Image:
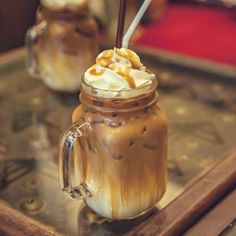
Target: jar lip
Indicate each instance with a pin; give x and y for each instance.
(119, 94)
(119, 105)
(64, 12)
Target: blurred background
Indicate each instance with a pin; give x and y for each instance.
(199, 28)
(15, 19)
(198, 95)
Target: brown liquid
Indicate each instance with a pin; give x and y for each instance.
(63, 52)
(126, 160)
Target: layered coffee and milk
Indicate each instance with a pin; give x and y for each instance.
(123, 158)
(66, 44)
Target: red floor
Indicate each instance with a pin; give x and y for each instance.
(204, 32)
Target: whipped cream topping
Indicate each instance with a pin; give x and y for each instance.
(61, 4)
(118, 70)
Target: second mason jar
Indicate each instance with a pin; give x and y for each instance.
(62, 44)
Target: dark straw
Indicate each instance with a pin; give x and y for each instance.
(121, 23)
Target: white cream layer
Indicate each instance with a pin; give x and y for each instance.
(118, 70)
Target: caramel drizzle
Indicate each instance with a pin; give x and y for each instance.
(106, 62)
(130, 57)
(127, 77)
(93, 71)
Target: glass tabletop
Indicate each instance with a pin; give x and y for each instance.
(202, 125)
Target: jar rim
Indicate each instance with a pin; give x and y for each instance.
(98, 100)
(63, 12)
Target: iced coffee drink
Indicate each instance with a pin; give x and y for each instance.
(119, 137)
(62, 44)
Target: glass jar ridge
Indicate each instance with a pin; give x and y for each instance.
(123, 101)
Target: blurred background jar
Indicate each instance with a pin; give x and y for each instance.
(62, 44)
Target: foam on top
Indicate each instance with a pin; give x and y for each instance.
(118, 70)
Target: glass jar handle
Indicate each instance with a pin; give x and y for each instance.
(31, 38)
(75, 133)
